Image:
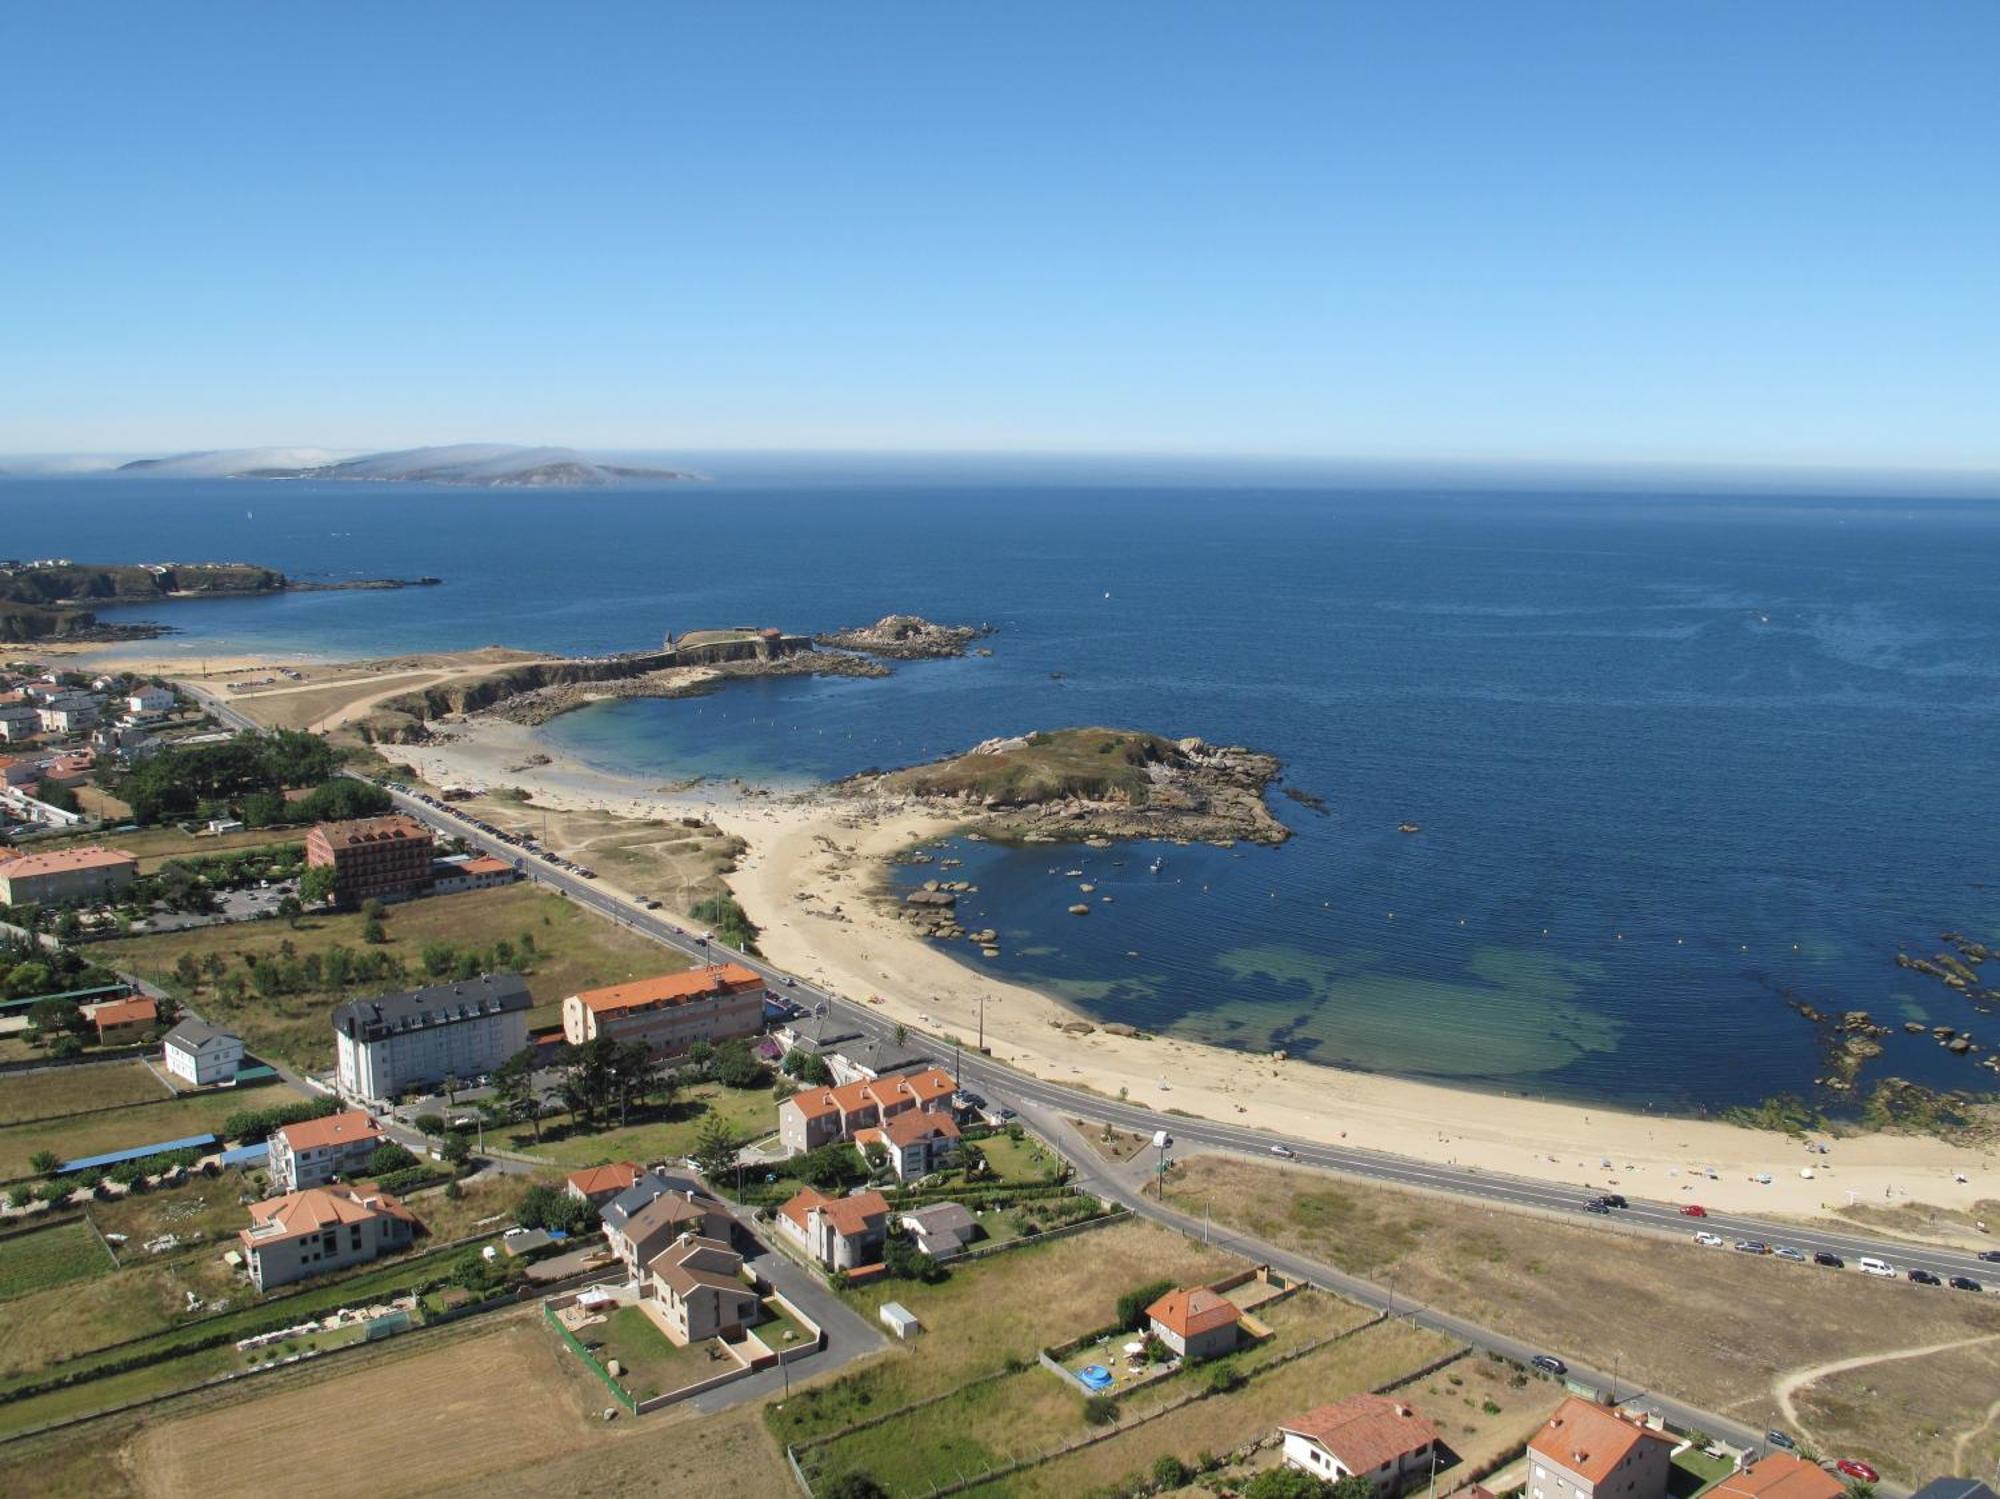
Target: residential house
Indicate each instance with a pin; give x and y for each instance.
(671, 1012)
(840, 1233)
(321, 1229)
(386, 1046)
(597, 1185)
(19, 721)
(63, 875)
(203, 1054)
(1377, 1437)
(20, 771)
(1195, 1322)
(864, 1059)
(1590, 1451)
(656, 1210)
(915, 1141)
(456, 876)
(373, 858)
(1781, 1475)
(70, 712)
(124, 1020)
(315, 1151)
(1954, 1488)
(941, 1230)
(814, 1117)
(149, 699)
(699, 1285)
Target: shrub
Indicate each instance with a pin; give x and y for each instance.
(389, 1157)
(1132, 1305)
(1170, 1472)
(1100, 1410)
(1223, 1379)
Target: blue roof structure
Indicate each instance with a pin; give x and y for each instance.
(242, 1155)
(136, 1153)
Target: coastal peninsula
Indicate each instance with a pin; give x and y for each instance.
(1065, 784)
(906, 637)
(52, 599)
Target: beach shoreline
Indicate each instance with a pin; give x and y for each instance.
(814, 863)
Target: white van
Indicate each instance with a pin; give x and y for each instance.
(1878, 1267)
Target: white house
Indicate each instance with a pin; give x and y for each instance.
(150, 699)
(200, 1053)
(1376, 1437)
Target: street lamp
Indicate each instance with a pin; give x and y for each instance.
(1162, 1142)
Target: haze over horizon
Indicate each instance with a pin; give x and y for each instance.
(1710, 239)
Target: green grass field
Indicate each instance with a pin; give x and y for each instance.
(71, 1090)
(653, 1362)
(50, 1257)
(122, 1129)
(574, 951)
(750, 1114)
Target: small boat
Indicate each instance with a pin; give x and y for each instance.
(1155, 865)
(1409, 827)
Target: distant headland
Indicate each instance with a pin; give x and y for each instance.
(50, 599)
(469, 465)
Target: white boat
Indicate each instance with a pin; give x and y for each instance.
(1155, 866)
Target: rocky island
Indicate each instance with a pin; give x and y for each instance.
(1082, 783)
(906, 637)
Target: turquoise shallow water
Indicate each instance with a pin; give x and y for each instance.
(1675, 758)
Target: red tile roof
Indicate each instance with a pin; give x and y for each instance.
(1589, 1439)
(364, 830)
(910, 1126)
(1780, 1475)
(613, 1178)
(136, 1011)
(486, 864)
(298, 1214)
(670, 989)
(335, 1129)
(1365, 1431)
(848, 1215)
(1189, 1313)
(64, 861)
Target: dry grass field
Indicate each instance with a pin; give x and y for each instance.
(1708, 1326)
(573, 951)
(80, 1135)
(67, 1090)
(1899, 1415)
(674, 862)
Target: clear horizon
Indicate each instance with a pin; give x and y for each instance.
(1555, 235)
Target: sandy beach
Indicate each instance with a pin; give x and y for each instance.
(812, 858)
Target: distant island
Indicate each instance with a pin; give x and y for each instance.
(472, 465)
(51, 599)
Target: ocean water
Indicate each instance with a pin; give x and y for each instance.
(1676, 758)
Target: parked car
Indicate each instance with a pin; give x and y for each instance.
(1614, 1200)
(1752, 1246)
(1779, 1439)
(1548, 1363)
(1713, 1241)
(1964, 1283)
(1786, 1252)
(1694, 1210)
(1854, 1467)
(1830, 1260)
(1883, 1268)
(1285, 1151)
(1924, 1278)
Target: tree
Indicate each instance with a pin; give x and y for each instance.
(1286, 1483)
(714, 1153)
(853, 1486)
(514, 1086)
(214, 965)
(1132, 1305)
(902, 1259)
(44, 1162)
(631, 1075)
(1100, 1410)
(452, 1084)
(316, 885)
(736, 1066)
(48, 1015)
(829, 1166)
(389, 1156)
(1169, 1472)
(187, 970)
(430, 1124)
(807, 1067)
(291, 908)
(456, 1150)
(372, 933)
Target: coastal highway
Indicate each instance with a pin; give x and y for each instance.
(1002, 1084)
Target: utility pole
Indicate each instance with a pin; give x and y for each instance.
(982, 1022)
(1162, 1142)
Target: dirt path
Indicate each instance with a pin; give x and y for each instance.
(1964, 1440)
(1791, 1382)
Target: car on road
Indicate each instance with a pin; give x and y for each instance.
(1007, 1114)
(1829, 1259)
(650, 904)
(790, 982)
(1285, 1152)
(1712, 1241)
(1854, 1467)
(1694, 1210)
(1779, 1439)
(1924, 1278)
(1548, 1363)
(1991, 1256)
(1964, 1283)
(1597, 1205)
(1786, 1252)
(1614, 1200)
(1752, 1246)
(1882, 1268)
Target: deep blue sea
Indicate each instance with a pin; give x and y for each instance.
(1675, 758)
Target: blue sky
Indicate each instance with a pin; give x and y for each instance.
(1622, 232)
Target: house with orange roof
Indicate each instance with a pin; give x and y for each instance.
(670, 1012)
(814, 1117)
(1196, 1322)
(321, 1229)
(1781, 1475)
(65, 874)
(916, 1142)
(597, 1185)
(1377, 1437)
(315, 1151)
(124, 1020)
(841, 1233)
(1586, 1450)
(483, 872)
